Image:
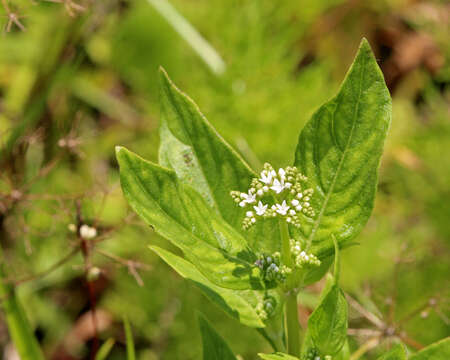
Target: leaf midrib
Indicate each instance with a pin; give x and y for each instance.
(341, 161)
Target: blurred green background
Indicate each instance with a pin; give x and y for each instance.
(76, 81)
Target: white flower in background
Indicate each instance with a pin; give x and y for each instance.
(87, 232)
(260, 209)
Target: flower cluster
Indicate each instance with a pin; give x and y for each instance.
(301, 258)
(265, 308)
(271, 267)
(286, 185)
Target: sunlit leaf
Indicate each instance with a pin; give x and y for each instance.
(339, 150)
(179, 213)
(202, 159)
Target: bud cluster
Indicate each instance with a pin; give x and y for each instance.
(265, 308)
(300, 256)
(286, 185)
(313, 354)
(271, 267)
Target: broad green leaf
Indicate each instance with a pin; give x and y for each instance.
(180, 214)
(234, 302)
(214, 346)
(339, 150)
(328, 323)
(131, 353)
(277, 356)
(202, 159)
(396, 353)
(438, 351)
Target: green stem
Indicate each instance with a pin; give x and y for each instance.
(292, 325)
(291, 310)
(18, 326)
(286, 257)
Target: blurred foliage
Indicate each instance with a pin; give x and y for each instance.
(80, 80)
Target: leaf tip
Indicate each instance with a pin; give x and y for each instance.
(163, 76)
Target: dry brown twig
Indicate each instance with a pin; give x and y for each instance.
(72, 8)
(13, 18)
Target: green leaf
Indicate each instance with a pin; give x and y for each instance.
(277, 356)
(236, 303)
(339, 150)
(19, 328)
(131, 354)
(202, 159)
(214, 346)
(396, 353)
(328, 323)
(105, 349)
(438, 351)
(180, 214)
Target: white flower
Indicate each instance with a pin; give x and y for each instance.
(249, 213)
(87, 232)
(265, 188)
(277, 186)
(283, 208)
(266, 177)
(282, 173)
(260, 209)
(248, 198)
(294, 202)
(292, 212)
(260, 192)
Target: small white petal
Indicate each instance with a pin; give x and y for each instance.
(253, 220)
(249, 213)
(295, 202)
(292, 212)
(265, 188)
(299, 208)
(299, 195)
(260, 192)
(242, 204)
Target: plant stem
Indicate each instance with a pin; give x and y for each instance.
(285, 245)
(292, 325)
(18, 326)
(291, 309)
